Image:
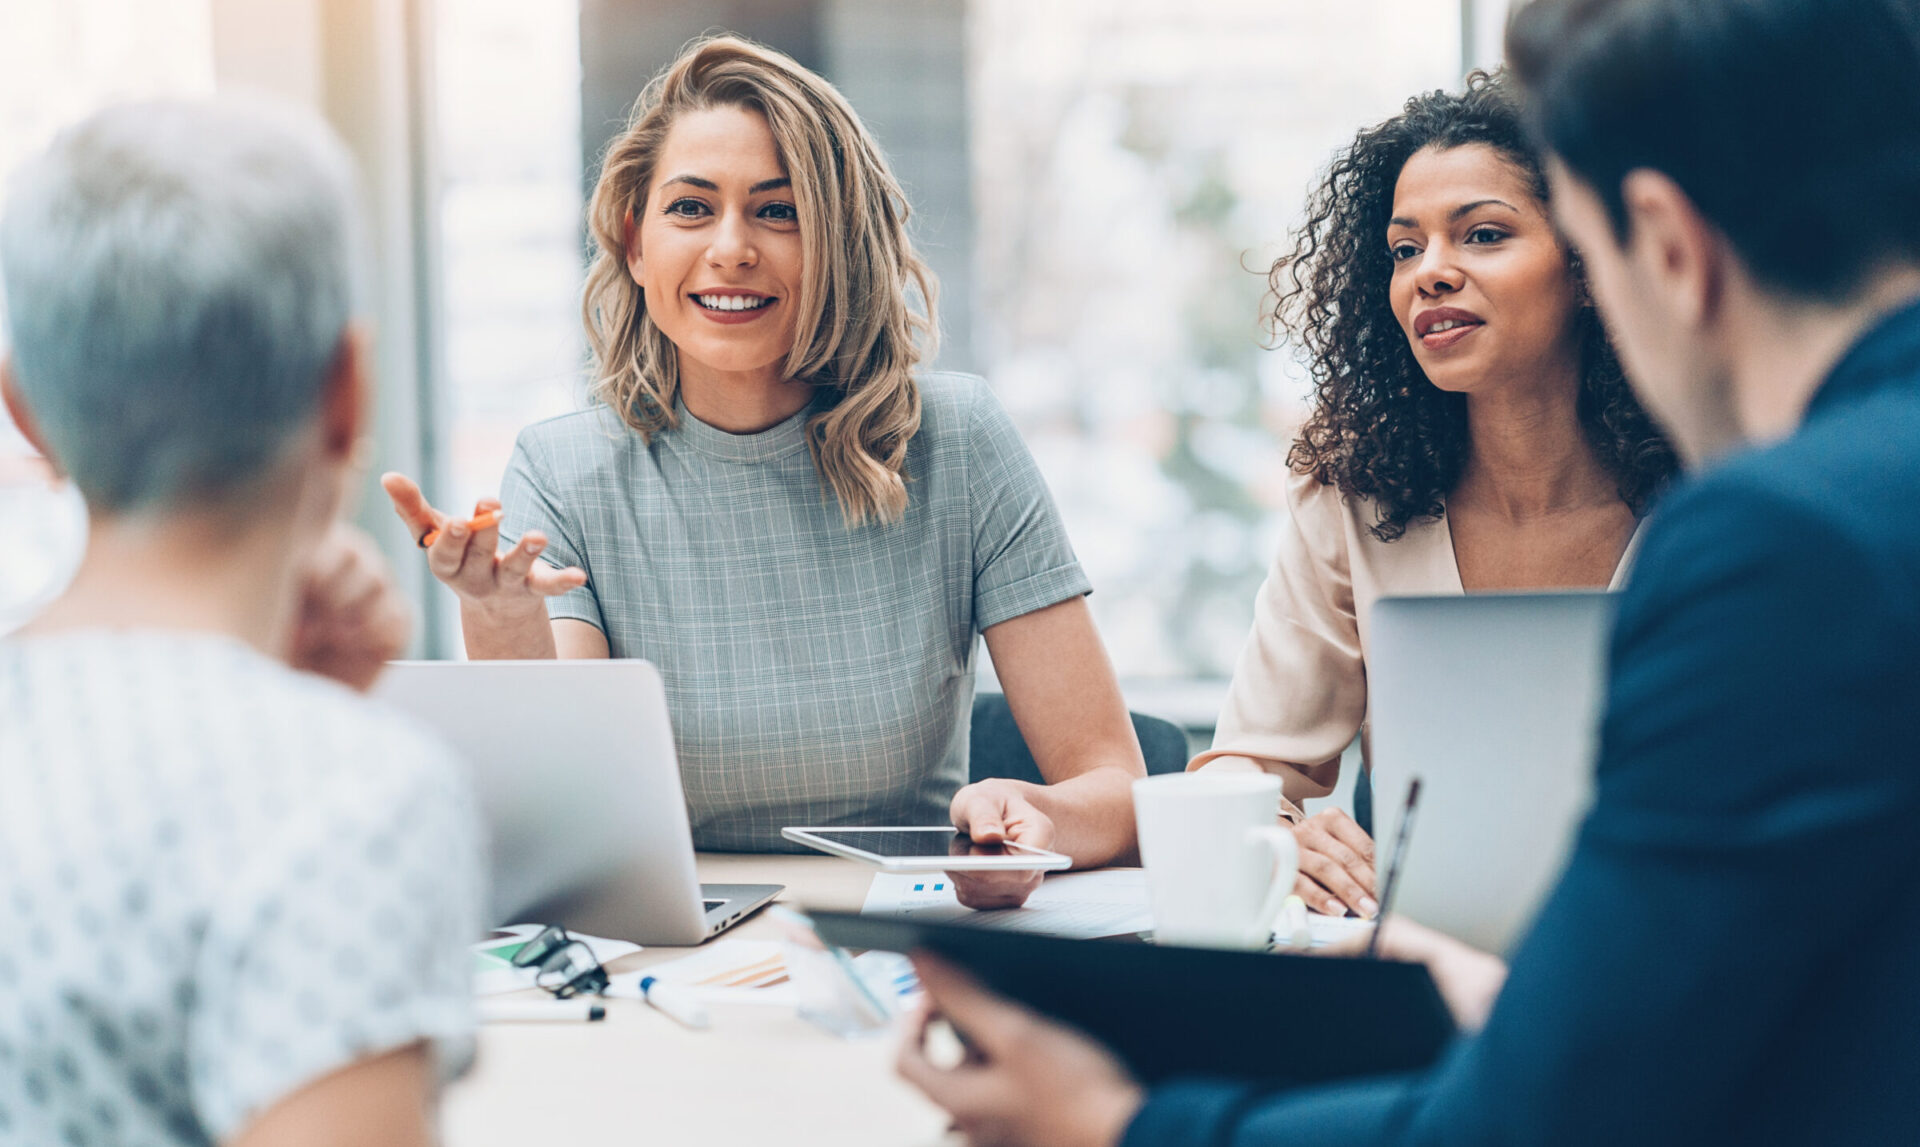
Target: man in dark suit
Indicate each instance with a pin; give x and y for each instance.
(1733, 953)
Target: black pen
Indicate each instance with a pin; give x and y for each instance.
(1393, 866)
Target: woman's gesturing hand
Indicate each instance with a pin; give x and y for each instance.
(1336, 865)
(465, 559)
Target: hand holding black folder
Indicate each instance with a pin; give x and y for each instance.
(1170, 1012)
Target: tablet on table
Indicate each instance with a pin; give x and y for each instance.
(926, 849)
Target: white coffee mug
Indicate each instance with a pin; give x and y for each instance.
(1219, 867)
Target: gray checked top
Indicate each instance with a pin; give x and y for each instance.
(815, 674)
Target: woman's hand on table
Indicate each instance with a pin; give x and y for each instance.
(466, 560)
(1336, 865)
(1025, 1081)
(353, 619)
(992, 812)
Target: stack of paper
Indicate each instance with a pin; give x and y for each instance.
(724, 972)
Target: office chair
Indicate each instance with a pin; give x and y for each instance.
(997, 749)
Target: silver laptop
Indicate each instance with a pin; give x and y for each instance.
(1493, 700)
(577, 776)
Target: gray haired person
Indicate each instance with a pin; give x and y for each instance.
(242, 892)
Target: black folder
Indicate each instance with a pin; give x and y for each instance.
(1179, 1012)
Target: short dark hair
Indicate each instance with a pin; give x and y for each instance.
(1794, 125)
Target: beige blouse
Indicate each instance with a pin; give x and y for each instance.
(1299, 692)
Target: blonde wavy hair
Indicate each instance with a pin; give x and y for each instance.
(858, 337)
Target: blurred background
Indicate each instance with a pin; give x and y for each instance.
(1100, 185)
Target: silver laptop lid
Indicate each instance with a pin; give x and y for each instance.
(576, 772)
(1493, 700)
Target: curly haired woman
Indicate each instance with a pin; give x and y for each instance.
(1470, 430)
(774, 502)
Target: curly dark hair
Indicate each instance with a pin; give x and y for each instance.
(1378, 427)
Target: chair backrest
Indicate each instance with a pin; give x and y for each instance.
(997, 749)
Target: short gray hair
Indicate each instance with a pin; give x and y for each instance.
(179, 278)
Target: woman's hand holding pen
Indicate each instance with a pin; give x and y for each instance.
(1336, 865)
(463, 555)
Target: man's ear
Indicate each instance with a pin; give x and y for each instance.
(346, 402)
(1681, 254)
(16, 404)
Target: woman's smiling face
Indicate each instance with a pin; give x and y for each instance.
(716, 246)
(1481, 283)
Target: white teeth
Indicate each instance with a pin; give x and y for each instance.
(1446, 325)
(731, 302)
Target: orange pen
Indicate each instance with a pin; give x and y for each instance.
(479, 522)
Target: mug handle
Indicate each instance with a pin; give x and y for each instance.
(1286, 865)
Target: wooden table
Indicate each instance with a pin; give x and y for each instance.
(760, 1076)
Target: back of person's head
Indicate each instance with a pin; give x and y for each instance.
(1793, 125)
(179, 280)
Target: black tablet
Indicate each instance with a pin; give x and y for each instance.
(1171, 1012)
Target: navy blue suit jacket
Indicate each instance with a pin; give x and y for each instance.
(1733, 953)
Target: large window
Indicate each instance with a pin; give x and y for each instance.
(510, 217)
(508, 206)
(1137, 164)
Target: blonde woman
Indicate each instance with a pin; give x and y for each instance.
(771, 501)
